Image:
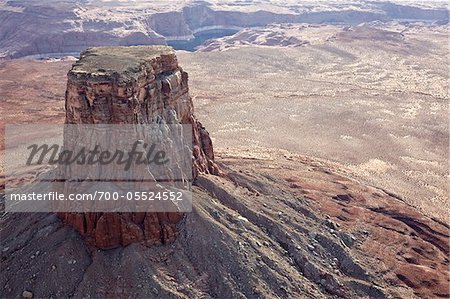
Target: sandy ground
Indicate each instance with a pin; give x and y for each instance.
(373, 101)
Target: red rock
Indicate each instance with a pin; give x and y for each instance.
(119, 97)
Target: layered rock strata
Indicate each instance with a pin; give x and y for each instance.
(133, 85)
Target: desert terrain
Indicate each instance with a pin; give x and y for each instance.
(329, 121)
(363, 97)
(380, 111)
(292, 229)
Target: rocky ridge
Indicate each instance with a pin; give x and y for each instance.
(293, 229)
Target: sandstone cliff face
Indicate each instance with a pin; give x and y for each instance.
(133, 85)
(169, 24)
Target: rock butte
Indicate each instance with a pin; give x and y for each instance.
(132, 85)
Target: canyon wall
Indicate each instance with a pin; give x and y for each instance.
(34, 28)
(133, 85)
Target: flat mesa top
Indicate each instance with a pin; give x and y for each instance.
(104, 61)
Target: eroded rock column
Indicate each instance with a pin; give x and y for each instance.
(133, 85)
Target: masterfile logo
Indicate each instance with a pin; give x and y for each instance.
(99, 168)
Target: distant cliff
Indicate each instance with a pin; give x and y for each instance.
(34, 28)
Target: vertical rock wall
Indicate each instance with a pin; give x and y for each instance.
(133, 85)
